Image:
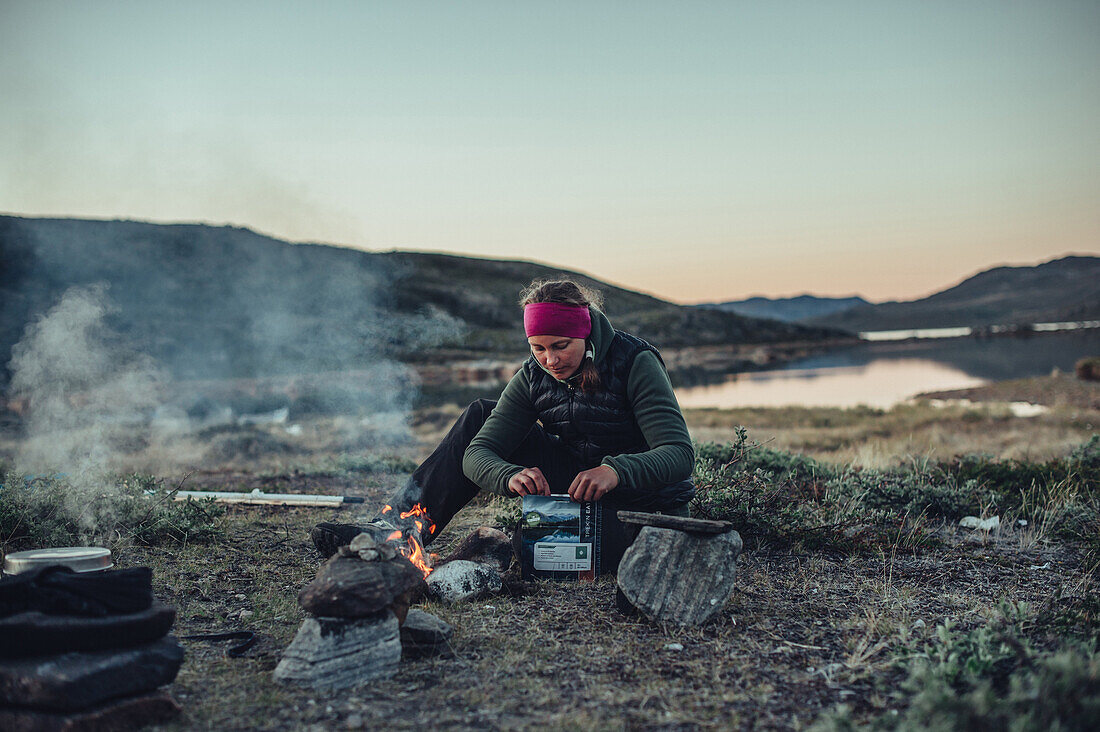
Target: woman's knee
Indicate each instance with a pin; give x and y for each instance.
(480, 409)
(474, 416)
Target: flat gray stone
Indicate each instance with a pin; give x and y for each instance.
(73, 681)
(463, 580)
(340, 653)
(671, 576)
(683, 523)
(424, 635)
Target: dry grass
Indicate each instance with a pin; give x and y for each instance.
(871, 438)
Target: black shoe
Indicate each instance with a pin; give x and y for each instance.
(330, 537)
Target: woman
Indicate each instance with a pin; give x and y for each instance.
(591, 413)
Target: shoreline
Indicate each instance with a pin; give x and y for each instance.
(1056, 390)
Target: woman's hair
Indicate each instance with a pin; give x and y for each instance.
(568, 292)
(564, 292)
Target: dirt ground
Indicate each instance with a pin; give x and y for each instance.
(802, 633)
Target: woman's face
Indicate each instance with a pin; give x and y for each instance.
(559, 355)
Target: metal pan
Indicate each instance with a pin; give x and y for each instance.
(76, 558)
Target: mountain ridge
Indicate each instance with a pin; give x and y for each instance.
(1061, 289)
(227, 301)
(787, 309)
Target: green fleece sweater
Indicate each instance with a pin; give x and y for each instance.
(670, 457)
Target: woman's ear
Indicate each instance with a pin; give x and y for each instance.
(589, 352)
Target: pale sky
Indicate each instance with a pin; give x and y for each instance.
(697, 151)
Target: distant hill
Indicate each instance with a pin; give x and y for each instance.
(1059, 290)
(223, 301)
(787, 309)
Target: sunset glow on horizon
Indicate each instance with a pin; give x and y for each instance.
(696, 151)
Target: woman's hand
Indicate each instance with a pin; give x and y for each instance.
(529, 482)
(591, 485)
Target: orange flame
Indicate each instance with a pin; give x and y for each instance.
(416, 556)
(418, 510)
(413, 550)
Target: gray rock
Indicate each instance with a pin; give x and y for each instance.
(484, 545)
(361, 542)
(347, 587)
(671, 576)
(73, 681)
(127, 713)
(463, 580)
(338, 653)
(424, 635)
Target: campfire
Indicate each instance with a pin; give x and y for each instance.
(413, 549)
(360, 622)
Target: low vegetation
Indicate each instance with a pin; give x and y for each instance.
(781, 499)
(1022, 668)
(38, 511)
(991, 676)
(860, 600)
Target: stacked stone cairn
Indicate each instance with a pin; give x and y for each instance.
(361, 623)
(71, 662)
(358, 602)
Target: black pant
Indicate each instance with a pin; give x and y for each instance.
(442, 489)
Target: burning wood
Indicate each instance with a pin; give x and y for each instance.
(408, 541)
(358, 601)
(361, 597)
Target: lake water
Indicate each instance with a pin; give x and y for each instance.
(882, 374)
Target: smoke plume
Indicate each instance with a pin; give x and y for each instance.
(157, 348)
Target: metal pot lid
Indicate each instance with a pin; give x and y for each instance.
(76, 558)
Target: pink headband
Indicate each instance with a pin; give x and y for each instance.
(551, 318)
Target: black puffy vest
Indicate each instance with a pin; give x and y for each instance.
(592, 425)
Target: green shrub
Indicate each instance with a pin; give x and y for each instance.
(782, 514)
(910, 491)
(962, 659)
(749, 457)
(1079, 470)
(37, 511)
(509, 511)
(33, 513)
(781, 499)
(989, 678)
(144, 511)
(1060, 691)
(1061, 495)
(761, 511)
